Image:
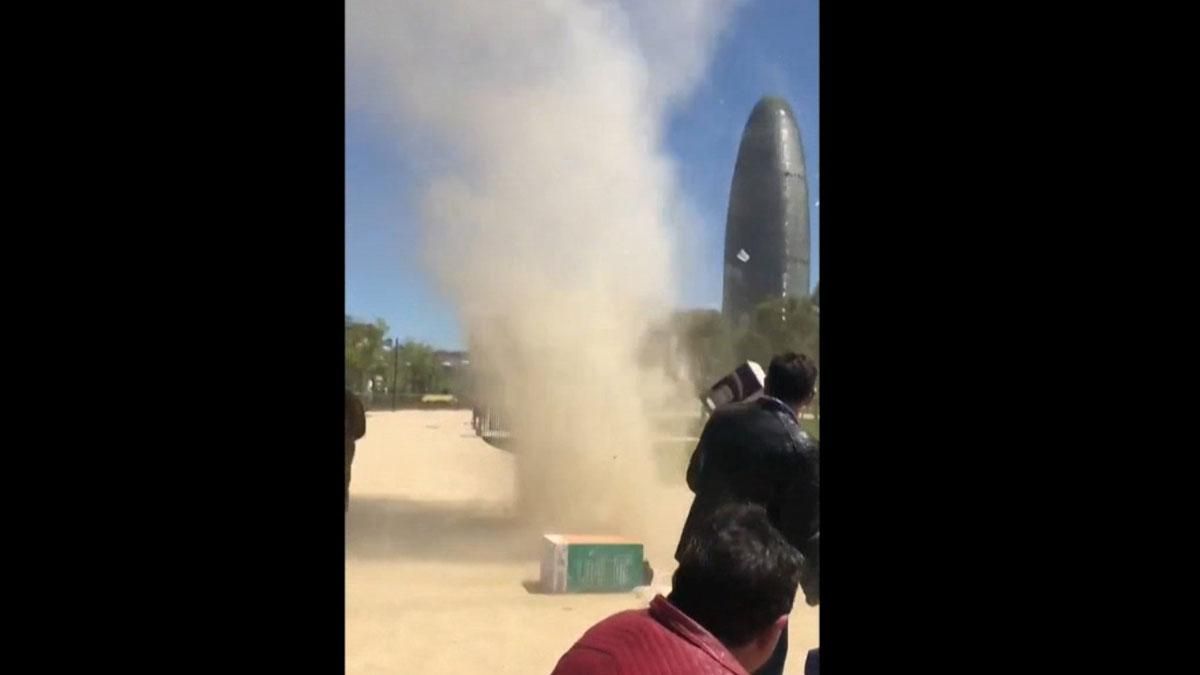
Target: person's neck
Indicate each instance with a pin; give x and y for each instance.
(794, 407)
(745, 656)
(742, 655)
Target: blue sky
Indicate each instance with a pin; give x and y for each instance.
(770, 47)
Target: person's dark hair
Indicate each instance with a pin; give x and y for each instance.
(791, 378)
(737, 574)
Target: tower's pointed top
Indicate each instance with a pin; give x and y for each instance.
(770, 106)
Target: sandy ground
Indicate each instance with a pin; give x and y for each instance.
(437, 569)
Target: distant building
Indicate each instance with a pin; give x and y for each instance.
(767, 229)
(451, 359)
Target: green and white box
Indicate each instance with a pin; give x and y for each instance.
(574, 563)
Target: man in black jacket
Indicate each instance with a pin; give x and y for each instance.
(356, 428)
(756, 452)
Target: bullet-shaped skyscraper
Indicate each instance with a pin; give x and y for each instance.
(766, 231)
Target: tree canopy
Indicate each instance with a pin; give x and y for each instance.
(711, 345)
(406, 367)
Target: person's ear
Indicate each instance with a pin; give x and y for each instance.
(771, 636)
(756, 653)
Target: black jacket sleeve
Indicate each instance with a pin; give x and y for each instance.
(708, 444)
(800, 509)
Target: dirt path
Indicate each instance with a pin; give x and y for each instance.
(436, 567)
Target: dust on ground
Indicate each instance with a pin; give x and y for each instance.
(437, 563)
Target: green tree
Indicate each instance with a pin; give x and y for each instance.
(716, 346)
(787, 324)
(712, 345)
(782, 325)
(365, 357)
(422, 372)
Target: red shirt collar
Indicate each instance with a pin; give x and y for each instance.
(681, 624)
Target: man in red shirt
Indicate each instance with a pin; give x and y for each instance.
(729, 604)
